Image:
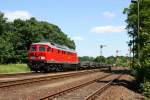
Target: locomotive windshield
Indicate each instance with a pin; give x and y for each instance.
(42, 48)
(33, 48)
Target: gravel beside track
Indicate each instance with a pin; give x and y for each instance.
(120, 93)
(122, 90)
(41, 89)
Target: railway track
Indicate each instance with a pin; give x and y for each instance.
(89, 97)
(15, 74)
(100, 90)
(42, 78)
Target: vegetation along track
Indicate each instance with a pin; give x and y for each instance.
(43, 78)
(81, 86)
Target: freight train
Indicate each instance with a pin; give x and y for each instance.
(47, 56)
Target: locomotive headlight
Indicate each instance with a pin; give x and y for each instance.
(42, 57)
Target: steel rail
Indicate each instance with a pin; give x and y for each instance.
(73, 88)
(100, 90)
(41, 78)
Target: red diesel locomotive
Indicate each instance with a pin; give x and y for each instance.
(46, 56)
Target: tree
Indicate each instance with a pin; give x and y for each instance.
(143, 66)
(6, 48)
(111, 60)
(86, 58)
(100, 59)
(2, 23)
(122, 61)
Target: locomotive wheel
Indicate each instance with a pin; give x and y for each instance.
(59, 68)
(35, 68)
(36, 71)
(49, 68)
(53, 67)
(46, 68)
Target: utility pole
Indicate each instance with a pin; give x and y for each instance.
(117, 54)
(127, 59)
(101, 52)
(130, 57)
(101, 47)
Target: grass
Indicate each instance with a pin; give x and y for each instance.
(14, 68)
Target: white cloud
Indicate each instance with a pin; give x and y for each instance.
(108, 29)
(108, 14)
(77, 38)
(21, 14)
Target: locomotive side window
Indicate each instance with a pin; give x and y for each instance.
(64, 52)
(58, 51)
(33, 48)
(42, 48)
(52, 49)
(48, 49)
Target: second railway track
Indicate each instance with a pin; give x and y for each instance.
(41, 78)
(55, 96)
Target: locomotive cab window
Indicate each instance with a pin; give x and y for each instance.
(52, 50)
(42, 48)
(33, 48)
(58, 51)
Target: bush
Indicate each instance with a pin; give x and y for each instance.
(145, 88)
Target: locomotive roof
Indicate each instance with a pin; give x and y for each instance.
(61, 47)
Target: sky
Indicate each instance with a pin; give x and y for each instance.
(90, 23)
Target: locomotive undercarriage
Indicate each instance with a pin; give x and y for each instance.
(42, 66)
(48, 67)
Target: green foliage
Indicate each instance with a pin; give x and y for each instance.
(144, 62)
(2, 23)
(17, 36)
(101, 59)
(111, 60)
(141, 66)
(6, 48)
(86, 58)
(122, 61)
(145, 88)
